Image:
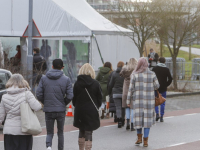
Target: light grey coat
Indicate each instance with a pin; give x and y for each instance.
(10, 106)
(141, 89)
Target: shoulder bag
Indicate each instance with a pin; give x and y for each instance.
(93, 103)
(29, 121)
(159, 99)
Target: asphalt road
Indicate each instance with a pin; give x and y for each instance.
(174, 131)
(179, 129)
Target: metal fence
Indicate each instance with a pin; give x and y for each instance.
(185, 70)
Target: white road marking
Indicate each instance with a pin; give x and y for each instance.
(110, 126)
(39, 136)
(190, 114)
(169, 117)
(177, 144)
(74, 131)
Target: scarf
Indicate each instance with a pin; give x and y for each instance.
(161, 65)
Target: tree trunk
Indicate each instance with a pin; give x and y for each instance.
(161, 48)
(174, 73)
(141, 52)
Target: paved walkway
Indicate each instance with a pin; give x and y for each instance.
(193, 50)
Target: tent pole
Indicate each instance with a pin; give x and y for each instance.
(30, 55)
(98, 48)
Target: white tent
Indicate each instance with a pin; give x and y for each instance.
(69, 19)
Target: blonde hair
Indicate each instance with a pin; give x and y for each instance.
(132, 64)
(87, 69)
(17, 80)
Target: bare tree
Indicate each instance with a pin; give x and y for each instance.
(179, 21)
(141, 18)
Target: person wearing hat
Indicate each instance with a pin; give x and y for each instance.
(55, 92)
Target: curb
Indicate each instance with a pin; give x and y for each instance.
(183, 94)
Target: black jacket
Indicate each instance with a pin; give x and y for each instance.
(164, 77)
(116, 83)
(39, 64)
(86, 117)
(112, 107)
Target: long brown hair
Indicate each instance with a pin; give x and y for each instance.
(109, 65)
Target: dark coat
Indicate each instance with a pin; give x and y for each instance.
(164, 77)
(102, 77)
(39, 64)
(45, 51)
(86, 117)
(53, 90)
(116, 83)
(112, 107)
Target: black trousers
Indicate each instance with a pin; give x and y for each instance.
(85, 134)
(18, 142)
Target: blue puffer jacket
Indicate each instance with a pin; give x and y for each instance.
(52, 89)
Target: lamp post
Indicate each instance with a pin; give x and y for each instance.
(30, 55)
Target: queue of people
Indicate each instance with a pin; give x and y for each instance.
(130, 90)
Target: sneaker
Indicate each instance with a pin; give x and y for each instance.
(49, 148)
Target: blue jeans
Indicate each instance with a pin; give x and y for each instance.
(50, 118)
(129, 113)
(162, 106)
(146, 132)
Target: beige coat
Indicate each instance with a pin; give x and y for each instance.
(10, 107)
(126, 74)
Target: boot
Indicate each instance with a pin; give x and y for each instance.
(139, 140)
(145, 142)
(128, 125)
(157, 117)
(161, 119)
(119, 122)
(88, 145)
(132, 128)
(115, 119)
(81, 143)
(123, 122)
(102, 115)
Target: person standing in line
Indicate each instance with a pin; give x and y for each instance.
(87, 99)
(153, 58)
(165, 79)
(116, 87)
(55, 92)
(14, 138)
(142, 86)
(39, 67)
(112, 107)
(45, 51)
(126, 72)
(102, 78)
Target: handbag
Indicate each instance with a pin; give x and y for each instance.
(99, 112)
(29, 121)
(159, 99)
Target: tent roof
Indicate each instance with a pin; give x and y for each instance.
(54, 18)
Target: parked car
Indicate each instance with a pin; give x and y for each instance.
(4, 77)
